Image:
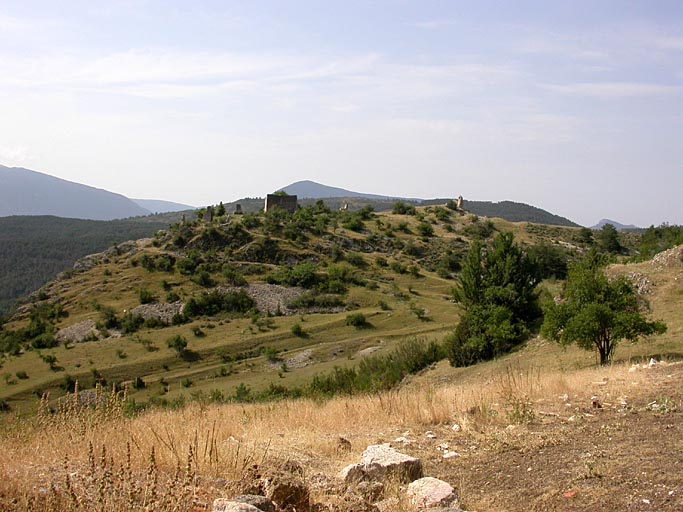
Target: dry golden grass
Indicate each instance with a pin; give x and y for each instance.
(78, 456)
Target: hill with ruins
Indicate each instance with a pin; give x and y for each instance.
(218, 344)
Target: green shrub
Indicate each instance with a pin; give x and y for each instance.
(314, 299)
(297, 330)
(177, 343)
(214, 302)
(424, 229)
(356, 320)
(303, 275)
(233, 276)
(377, 373)
(401, 208)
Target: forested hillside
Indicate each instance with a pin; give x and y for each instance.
(35, 249)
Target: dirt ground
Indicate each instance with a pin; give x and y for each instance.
(602, 453)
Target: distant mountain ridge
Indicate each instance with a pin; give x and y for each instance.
(26, 192)
(508, 210)
(159, 206)
(618, 225)
(308, 189)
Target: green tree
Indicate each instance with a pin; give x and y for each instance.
(497, 289)
(550, 259)
(585, 236)
(596, 312)
(608, 239)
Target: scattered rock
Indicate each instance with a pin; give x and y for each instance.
(298, 360)
(641, 283)
(670, 258)
(381, 461)
(226, 505)
(403, 440)
(429, 492)
(450, 455)
(163, 312)
(77, 333)
(260, 502)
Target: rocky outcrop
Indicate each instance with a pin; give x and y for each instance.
(381, 461)
(244, 503)
(163, 312)
(272, 299)
(429, 492)
(78, 332)
(225, 505)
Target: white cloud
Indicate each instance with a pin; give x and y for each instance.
(614, 90)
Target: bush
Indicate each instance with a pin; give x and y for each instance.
(424, 229)
(177, 343)
(401, 208)
(357, 320)
(297, 330)
(233, 276)
(131, 323)
(479, 230)
(303, 275)
(242, 393)
(313, 299)
(377, 373)
(214, 302)
(203, 278)
(146, 297)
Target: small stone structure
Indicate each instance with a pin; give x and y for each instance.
(238, 209)
(286, 203)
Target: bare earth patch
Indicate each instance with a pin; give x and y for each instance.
(623, 455)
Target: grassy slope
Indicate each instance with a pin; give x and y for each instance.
(116, 283)
(523, 446)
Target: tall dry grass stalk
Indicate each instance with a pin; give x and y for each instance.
(88, 453)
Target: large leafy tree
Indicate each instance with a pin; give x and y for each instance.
(497, 289)
(595, 312)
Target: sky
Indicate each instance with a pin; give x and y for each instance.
(575, 107)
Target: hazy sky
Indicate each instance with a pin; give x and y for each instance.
(572, 106)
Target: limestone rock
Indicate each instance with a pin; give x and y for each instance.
(260, 502)
(380, 461)
(431, 492)
(79, 332)
(226, 505)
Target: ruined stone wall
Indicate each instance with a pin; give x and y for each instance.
(286, 203)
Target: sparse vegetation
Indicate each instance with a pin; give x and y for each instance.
(597, 312)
